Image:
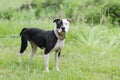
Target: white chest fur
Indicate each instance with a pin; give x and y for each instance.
(59, 44)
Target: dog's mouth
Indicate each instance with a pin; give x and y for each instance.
(62, 30)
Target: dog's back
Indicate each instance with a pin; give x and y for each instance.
(32, 34)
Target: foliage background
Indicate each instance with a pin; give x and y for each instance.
(92, 47)
(88, 11)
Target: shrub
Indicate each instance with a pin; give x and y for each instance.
(112, 9)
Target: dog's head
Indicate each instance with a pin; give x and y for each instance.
(62, 25)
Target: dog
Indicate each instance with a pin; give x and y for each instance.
(52, 40)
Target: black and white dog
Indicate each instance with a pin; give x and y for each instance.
(48, 40)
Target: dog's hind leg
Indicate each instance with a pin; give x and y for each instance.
(57, 55)
(34, 49)
(23, 47)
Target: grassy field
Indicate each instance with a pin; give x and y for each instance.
(90, 53)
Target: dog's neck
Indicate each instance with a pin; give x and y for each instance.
(60, 36)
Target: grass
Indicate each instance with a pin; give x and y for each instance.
(90, 53)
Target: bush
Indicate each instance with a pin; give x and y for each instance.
(112, 10)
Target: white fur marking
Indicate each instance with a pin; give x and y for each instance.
(59, 45)
(56, 61)
(65, 24)
(46, 57)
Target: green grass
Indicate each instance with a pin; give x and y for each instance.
(90, 53)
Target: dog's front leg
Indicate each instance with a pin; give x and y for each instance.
(57, 55)
(46, 59)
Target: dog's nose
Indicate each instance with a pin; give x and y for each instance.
(63, 28)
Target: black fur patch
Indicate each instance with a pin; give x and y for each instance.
(59, 23)
(43, 39)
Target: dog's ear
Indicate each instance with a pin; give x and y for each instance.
(57, 21)
(69, 20)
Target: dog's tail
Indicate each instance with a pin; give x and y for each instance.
(22, 31)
